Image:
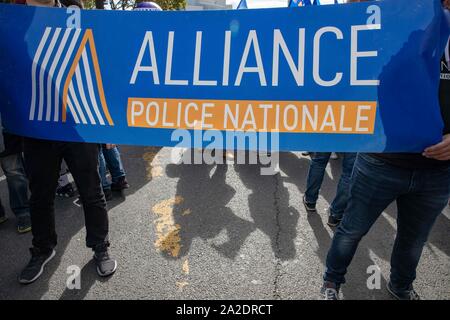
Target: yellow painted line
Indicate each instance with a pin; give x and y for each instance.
(186, 267)
(167, 231)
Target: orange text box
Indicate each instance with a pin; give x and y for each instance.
(350, 117)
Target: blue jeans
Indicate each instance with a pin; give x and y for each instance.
(421, 195)
(13, 167)
(319, 161)
(110, 158)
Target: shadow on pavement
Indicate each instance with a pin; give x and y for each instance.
(269, 208)
(69, 221)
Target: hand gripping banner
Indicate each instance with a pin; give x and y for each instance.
(359, 77)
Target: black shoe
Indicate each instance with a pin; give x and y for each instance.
(108, 194)
(310, 207)
(24, 224)
(106, 266)
(409, 294)
(120, 184)
(36, 265)
(333, 222)
(67, 191)
(330, 291)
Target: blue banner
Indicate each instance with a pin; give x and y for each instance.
(355, 77)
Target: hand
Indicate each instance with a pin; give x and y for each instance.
(110, 146)
(440, 151)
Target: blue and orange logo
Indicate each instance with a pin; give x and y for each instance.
(66, 78)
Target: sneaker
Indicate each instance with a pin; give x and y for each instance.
(120, 184)
(67, 191)
(333, 221)
(310, 207)
(24, 224)
(330, 291)
(334, 156)
(410, 294)
(36, 265)
(106, 266)
(108, 194)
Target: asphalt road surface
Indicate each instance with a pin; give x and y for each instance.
(214, 232)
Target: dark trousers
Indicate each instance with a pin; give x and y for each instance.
(17, 182)
(421, 195)
(43, 161)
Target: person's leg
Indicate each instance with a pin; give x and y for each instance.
(114, 163)
(42, 161)
(17, 182)
(374, 185)
(102, 169)
(417, 212)
(106, 184)
(65, 187)
(82, 159)
(319, 161)
(339, 203)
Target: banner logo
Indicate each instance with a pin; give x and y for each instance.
(66, 77)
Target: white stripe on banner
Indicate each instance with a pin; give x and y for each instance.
(87, 71)
(82, 95)
(61, 71)
(77, 104)
(52, 71)
(42, 71)
(72, 110)
(33, 71)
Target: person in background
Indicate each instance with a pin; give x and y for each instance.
(12, 164)
(334, 155)
(109, 158)
(418, 182)
(43, 162)
(317, 167)
(65, 187)
(147, 6)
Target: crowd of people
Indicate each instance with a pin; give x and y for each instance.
(418, 183)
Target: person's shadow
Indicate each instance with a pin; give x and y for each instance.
(270, 210)
(202, 209)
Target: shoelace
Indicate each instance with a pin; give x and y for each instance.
(331, 294)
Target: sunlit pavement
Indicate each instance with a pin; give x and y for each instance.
(214, 232)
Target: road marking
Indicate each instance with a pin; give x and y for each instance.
(167, 231)
(2, 178)
(186, 267)
(152, 160)
(156, 172)
(182, 284)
